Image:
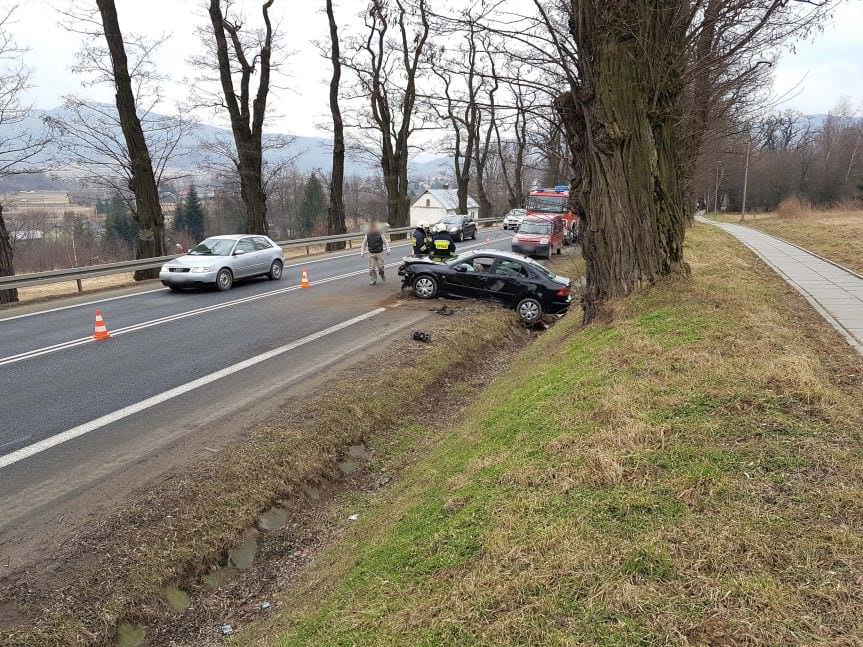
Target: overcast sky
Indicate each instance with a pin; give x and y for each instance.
(815, 77)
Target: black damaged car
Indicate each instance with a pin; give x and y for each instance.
(514, 280)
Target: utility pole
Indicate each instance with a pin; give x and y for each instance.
(716, 189)
(745, 179)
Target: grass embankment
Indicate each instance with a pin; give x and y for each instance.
(690, 473)
(184, 526)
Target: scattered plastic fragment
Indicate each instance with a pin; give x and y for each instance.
(424, 337)
(444, 310)
(265, 606)
(226, 630)
(353, 517)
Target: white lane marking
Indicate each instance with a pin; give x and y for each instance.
(135, 294)
(125, 412)
(72, 343)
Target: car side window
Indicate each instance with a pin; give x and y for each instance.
(261, 243)
(506, 267)
(245, 245)
(482, 263)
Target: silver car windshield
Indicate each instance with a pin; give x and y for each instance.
(213, 247)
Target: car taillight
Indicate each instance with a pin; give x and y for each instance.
(563, 293)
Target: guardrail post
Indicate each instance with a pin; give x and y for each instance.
(307, 250)
(80, 287)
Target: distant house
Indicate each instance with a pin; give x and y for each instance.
(40, 199)
(434, 204)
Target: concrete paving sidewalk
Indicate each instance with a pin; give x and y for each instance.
(835, 292)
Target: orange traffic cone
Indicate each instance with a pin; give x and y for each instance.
(304, 281)
(100, 332)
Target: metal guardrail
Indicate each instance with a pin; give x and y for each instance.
(105, 269)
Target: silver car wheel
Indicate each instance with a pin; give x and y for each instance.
(224, 280)
(276, 271)
(424, 287)
(529, 310)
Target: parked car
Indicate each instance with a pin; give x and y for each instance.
(513, 219)
(220, 260)
(460, 227)
(514, 280)
(540, 236)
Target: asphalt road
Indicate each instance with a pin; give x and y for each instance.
(68, 402)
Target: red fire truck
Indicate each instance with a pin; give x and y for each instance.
(555, 202)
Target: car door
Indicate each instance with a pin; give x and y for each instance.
(264, 254)
(469, 227)
(244, 258)
(470, 277)
(509, 280)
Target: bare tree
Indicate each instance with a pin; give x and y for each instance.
(90, 140)
(462, 77)
(628, 66)
(142, 179)
(336, 215)
(243, 58)
(386, 62)
(19, 148)
(511, 153)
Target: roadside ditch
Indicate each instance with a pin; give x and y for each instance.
(193, 557)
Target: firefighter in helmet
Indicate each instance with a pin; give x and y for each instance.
(443, 246)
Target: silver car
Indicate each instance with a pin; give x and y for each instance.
(219, 260)
(514, 218)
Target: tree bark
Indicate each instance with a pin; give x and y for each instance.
(621, 129)
(6, 266)
(246, 122)
(336, 215)
(148, 210)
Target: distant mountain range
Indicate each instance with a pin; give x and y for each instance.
(309, 153)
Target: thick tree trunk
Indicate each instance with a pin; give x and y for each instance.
(336, 215)
(462, 192)
(148, 211)
(625, 156)
(252, 193)
(6, 266)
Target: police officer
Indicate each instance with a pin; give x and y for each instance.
(422, 242)
(442, 243)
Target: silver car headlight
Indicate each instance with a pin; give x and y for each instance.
(164, 268)
(200, 270)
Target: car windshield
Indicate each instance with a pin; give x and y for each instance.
(461, 258)
(452, 220)
(213, 247)
(534, 227)
(547, 204)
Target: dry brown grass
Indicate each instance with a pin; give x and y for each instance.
(690, 473)
(836, 234)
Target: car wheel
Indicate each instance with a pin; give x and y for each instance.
(224, 280)
(460, 237)
(425, 287)
(529, 310)
(175, 288)
(275, 270)
(473, 236)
